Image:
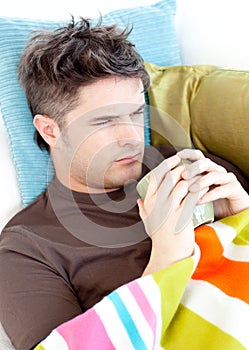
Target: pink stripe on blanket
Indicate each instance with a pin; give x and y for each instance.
(85, 330)
(143, 303)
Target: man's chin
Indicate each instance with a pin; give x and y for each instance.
(123, 177)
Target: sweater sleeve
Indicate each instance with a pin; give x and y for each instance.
(34, 297)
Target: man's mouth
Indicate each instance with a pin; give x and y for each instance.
(128, 159)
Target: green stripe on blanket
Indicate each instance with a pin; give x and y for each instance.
(240, 223)
(40, 347)
(189, 326)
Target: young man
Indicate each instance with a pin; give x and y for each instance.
(86, 235)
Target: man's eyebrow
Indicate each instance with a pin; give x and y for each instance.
(106, 116)
(113, 116)
(139, 108)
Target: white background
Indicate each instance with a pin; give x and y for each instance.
(209, 31)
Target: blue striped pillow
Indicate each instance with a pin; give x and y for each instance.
(155, 38)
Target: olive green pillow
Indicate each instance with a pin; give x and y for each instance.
(203, 105)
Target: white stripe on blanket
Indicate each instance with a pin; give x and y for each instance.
(237, 252)
(232, 251)
(55, 341)
(144, 328)
(154, 298)
(229, 314)
(113, 325)
(224, 232)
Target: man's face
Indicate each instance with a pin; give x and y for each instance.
(101, 147)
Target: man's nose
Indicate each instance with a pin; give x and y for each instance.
(129, 132)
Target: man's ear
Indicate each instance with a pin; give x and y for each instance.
(47, 128)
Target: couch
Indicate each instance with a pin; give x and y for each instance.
(199, 40)
(200, 93)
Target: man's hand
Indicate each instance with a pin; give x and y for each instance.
(167, 214)
(174, 190)
(218, 185)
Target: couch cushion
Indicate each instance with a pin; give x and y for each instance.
(201, 106)
(220, 116)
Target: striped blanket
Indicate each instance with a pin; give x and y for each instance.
(198, 303)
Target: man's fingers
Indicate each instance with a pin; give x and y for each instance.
(186, 212)
(212, 180)
(190, 154)
(158, 174)
(202, 166)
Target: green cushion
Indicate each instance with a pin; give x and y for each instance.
(201, 106)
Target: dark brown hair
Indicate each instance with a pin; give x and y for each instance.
(55, 64)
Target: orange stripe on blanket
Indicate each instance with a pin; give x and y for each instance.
(232, 277)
